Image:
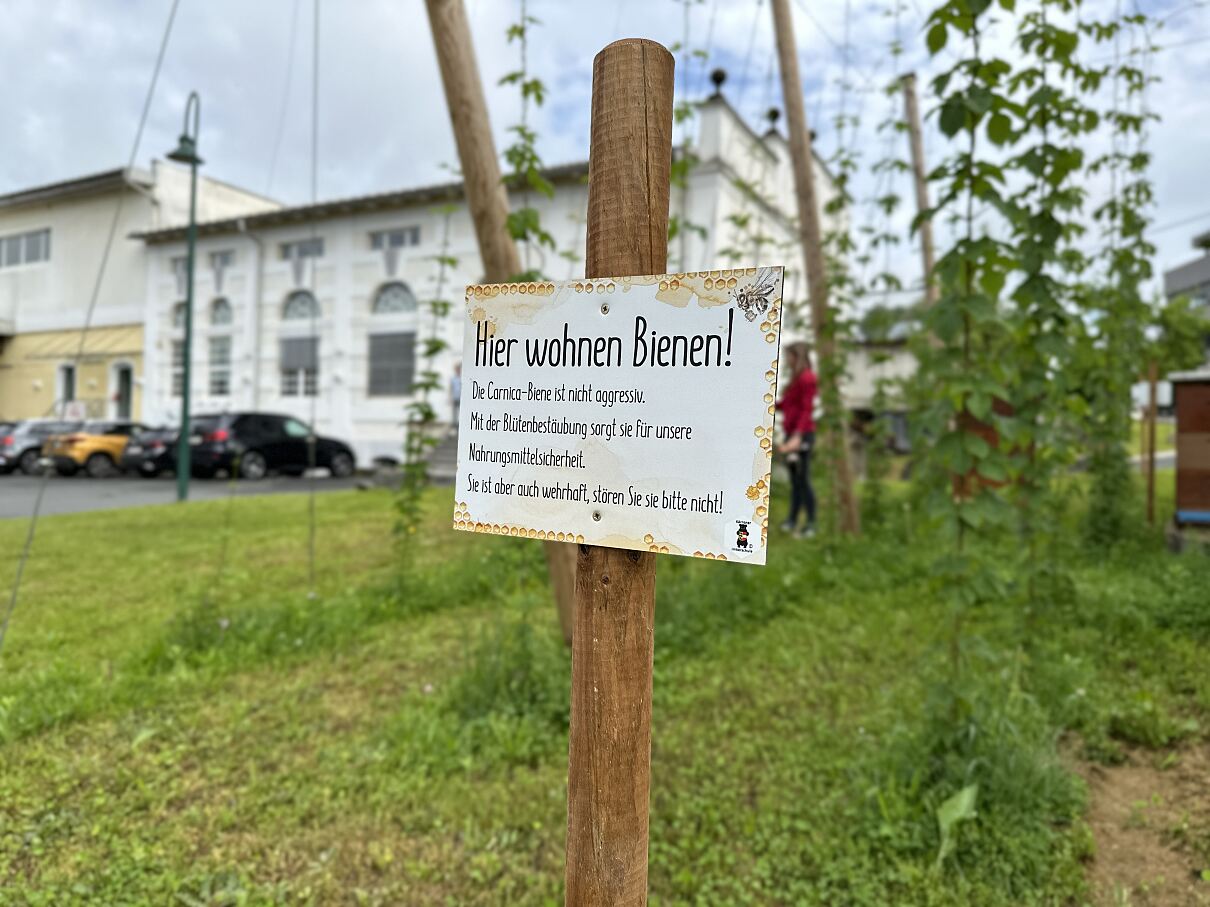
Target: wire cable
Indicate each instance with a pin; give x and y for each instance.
(866, 78)
(743, 78)
(1184, 221)
(704, 59)
(617, 20)
(30, 534)
(285, 99)
(311, 439)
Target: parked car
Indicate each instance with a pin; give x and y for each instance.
(151, 452)
(95, 447)
(21, 445)
(254, 444)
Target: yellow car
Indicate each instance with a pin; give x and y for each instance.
(97, 448)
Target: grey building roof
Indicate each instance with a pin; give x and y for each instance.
(105, 181)
(398, 198)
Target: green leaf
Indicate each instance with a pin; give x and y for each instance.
(992, 470)
(975, 445)
(979, 405)
(953, 116)
(999, 129)
(957, 809)
(936, 38)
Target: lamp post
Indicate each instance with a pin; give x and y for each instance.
(186, 153)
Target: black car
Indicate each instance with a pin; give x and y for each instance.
(252, 445)
(151, 452)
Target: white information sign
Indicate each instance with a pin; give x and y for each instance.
(75, 410)
(631, 412)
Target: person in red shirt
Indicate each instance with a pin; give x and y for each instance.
(797, 408)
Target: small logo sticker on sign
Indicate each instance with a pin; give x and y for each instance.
(742, 542)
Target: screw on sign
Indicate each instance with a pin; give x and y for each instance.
(630, 412)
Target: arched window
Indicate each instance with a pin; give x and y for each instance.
(300, 304)
(394, 299)
(178, 316)
(220, 312)
(392, 348)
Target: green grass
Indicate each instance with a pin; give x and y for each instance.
(167, 737)
(1165, 436)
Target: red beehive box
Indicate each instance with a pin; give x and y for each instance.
(1191, 395)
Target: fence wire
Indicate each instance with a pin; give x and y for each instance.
(31, 533)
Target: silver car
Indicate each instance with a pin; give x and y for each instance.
(21, 443)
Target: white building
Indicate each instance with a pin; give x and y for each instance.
(316, 310)
(53, 239)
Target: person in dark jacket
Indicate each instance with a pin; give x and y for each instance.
(797, 408)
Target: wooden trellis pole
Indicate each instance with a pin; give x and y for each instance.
(609, 763)
(488, 203)
(812, 242)
(911, 112)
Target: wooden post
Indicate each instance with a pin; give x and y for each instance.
(911, 112)
(609, 760)
(1153, 378)
(812, 242)
(488, 203)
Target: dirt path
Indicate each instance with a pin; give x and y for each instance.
(1150, 820)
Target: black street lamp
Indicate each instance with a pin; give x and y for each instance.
(186, 153)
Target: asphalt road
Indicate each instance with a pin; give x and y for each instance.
(79, 493)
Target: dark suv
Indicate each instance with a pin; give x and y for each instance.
(255, 444)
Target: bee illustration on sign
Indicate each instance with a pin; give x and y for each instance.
(753, 298)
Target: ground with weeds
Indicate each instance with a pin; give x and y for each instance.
(1148, 816)
(181, 723)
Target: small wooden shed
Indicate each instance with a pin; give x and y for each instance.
(1191, 398)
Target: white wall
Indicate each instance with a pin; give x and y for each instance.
(55, 294)
(216, 200)
(346, 279)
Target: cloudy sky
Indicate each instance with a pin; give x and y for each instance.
(78, 70)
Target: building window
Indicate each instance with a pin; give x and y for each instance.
(178, 368)
(178, 316)
(303, 248)
(24, 248)
(299, 366)
(392, 364)
(394, 299)
(220, 366)
(220, 260)
(220, 312)
(67, 383)
(395, 239)
(300, 305)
